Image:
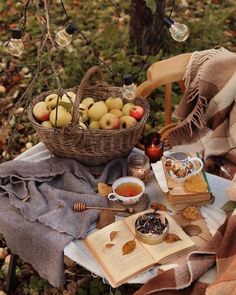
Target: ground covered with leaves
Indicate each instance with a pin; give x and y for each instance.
(211, 23)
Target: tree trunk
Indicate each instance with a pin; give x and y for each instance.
(144, 27)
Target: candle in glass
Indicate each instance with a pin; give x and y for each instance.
(153, 147)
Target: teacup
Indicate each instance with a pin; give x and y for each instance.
(128, 189)
(180, 165)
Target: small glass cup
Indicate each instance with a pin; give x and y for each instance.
(139, 166)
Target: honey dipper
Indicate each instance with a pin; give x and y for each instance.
(79, 207)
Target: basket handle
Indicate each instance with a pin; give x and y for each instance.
(84, 83)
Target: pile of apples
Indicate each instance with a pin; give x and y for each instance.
(109, 114)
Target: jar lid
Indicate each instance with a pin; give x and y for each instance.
(138, 160)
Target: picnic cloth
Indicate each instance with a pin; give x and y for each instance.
(183, 280)
(208, 108)
(36, 215)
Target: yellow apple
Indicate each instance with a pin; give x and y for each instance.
(109, 121)
(127, 122)
(47, 124)
(41, 111)
(116, 112)
(88, 101)
(68, 97)
(51, 100)
(114, 103)
(82, 125)
(63, 117)
(127, 108)
(97, 110)
(94, 125)
(83, 116)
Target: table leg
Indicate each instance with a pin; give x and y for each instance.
(11, 275)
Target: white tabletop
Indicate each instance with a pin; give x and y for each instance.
(77, 251)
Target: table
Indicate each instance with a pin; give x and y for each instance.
(76, 249)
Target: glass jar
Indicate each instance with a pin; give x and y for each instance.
(139, 166)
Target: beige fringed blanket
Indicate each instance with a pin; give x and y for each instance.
(208, 108)
(183, 279)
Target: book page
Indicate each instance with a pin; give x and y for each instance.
(164, 252)
(117, 267)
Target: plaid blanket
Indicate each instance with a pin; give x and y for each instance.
(183, 279)
(208, 108)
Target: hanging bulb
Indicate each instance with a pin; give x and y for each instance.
(15, 46)
(129, 88)
(179, 32)
(64, 37)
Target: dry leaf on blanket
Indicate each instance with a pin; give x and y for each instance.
(192, 213)
(171, 238)
(109, 245)
(158, 206)
(196, 184)
(128, 247)
(113, 235)
(104, 189)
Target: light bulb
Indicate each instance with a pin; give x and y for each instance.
(129, 88)
(179, 32)
(64, 37)
(15, 46)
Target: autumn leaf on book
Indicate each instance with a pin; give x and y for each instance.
(113, 234)
(129, 247)
(109, 245)
(171, 238)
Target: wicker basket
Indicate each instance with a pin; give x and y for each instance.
(90, 146)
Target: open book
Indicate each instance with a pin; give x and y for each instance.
(118, 268)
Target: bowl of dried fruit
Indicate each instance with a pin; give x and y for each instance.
(151, 228)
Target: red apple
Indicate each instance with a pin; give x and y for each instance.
(137, 112)
(41, 111)
(109, 121)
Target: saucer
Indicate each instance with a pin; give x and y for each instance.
(140, 206)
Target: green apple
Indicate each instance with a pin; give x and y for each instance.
(114, 103)
(94, 125)
(97, 110)
(127, 108)
(127, 122)
(116, 112)
(63, 117)
(88, 101)
(109, 121)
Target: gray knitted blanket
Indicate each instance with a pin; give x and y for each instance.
(36, 215)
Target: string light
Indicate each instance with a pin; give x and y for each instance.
(15, 46)
(179, 32)
(129, 88)
(64, 37)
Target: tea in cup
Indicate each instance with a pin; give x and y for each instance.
(127, 189)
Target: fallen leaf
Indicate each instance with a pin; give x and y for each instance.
(113, 235)
(171, 238)
(229, 206)
(106, 217)
(158, 206)
(128, 247)
(104, 189)
(192, 213)
(109, 245)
